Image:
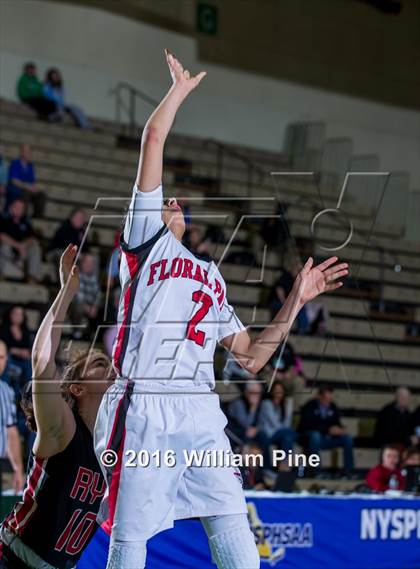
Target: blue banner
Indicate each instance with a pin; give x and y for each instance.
(295, 532)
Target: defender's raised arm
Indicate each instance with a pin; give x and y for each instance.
(144, 216)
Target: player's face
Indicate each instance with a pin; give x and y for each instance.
(173, 217)
(99, 375)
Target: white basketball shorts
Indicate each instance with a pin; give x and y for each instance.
(157, 477)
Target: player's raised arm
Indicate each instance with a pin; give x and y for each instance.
(144, 216)
(54, 418)
(149, 174)
(253, 354)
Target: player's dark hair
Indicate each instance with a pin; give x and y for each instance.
(28, 407)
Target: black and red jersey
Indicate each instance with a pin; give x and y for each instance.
(57, 515)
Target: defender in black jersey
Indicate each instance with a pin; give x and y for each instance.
(54, 521)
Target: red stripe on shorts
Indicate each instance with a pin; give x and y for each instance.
(133, 265)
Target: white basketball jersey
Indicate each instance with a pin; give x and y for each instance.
(173, 310)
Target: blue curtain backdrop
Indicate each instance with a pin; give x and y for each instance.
(294, 532)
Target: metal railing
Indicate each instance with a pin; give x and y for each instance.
(126, 99)
(255, 174)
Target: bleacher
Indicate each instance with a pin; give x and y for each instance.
(367, 354)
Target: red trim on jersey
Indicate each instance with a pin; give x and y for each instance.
(23, 511)
(116, 419)
(133, 265)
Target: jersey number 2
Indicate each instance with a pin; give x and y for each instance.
(198, 336)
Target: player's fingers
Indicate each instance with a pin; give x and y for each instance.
(327, 263)
(333, 286)
(308, 265)
(67, 254)
(337, 275)
(199, 77)
(186, 74)
(336, 268)
(177, 65)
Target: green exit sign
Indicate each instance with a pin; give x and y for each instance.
(207, 19)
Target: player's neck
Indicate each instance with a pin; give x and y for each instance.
(88, 409)
(177, 232)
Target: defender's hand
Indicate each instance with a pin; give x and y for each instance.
(69, 273)
(181, 76)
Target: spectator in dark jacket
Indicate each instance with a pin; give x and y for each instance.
(18, 243)
(386, 475)
(30, 91)
(394, 424)
(22, 182)
(71, 231)
(321, 427)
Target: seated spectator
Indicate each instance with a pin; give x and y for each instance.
(275, 230)
(84, 311)
(286, 367)
(321, 427)
(252, 474)
(386, 475)
(243, 414)
(30, 91)
(281, 290)
(54, 91)
(412, 456)
(114, 262)
(415, 426)
(394, 424)
(71, 231)
(275, 418)
(14, 332)
(317, 318)
(193, 240)
(18, 243)
(4, 172)
(22, 182)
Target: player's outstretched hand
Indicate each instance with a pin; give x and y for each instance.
(312, 281)
(181, 76)
(69, 272)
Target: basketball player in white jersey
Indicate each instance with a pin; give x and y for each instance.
(173, 311)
